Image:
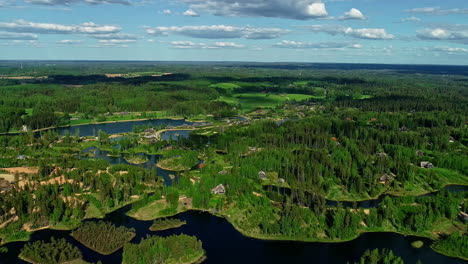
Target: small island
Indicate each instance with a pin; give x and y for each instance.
(103, 237)
(417, 244)
(136, 159)
(55, 252)
(165, 224)
(380, 256)
(176, 249)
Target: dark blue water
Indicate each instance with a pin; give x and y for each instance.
(120, 127)
(221, 241)
(224, 244)
(175, 134)
(150, 164)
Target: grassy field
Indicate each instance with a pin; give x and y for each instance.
(225, 85)
(251, 101)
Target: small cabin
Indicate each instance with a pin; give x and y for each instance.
(218, 189)
(381, 154)
(404, 129)
(385, 178)
(426, 165)
(223, 172)
(150, 131)
(262, 175)
(21, 157)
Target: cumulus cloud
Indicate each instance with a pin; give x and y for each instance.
(27, 43)
(69, 41)
(456, 33)
(218, 32)
(18, 36)
(437, 11)
(119, 35)
(447, 49)
(353, 14)
(70, 2)
(190, 12)
(292, 9)
(290, 44)
(363, 33)
(116, 41)
(23, 26)
(194, 45)
(410, 19)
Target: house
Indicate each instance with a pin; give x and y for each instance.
(223, 172)
(419, 153)
(404, 129)
(385, 178)
(262, 175)
(381, 154)
(74, 119)
(218, 189)
(150, 130)
(426, 165)
(21, 157)
(281, 181)
(451, 140)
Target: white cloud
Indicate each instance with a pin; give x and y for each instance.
(363, 33)
(116, 41)
(290, 44)
(317, 10)
(194, 45)
(27, 43)
(119, 35)
(437, 11)
(410, 19)
(447, 49)
(455, 33)
(12, 35)
(190, 12)
(48, 28)
(227, 45)
(69, 41)
(70, 2)
(354, 13)
(167, 12)
(218, 32)
(293, 9)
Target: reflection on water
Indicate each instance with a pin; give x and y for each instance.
(224, 244)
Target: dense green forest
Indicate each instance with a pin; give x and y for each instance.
(164, 224)
(379, 256)
(455, 245)
(55, 252)
(172, 250)
(296, 156)
(103, 237)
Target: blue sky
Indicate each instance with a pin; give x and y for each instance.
(351, 31)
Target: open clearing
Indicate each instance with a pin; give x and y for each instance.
(252, 101)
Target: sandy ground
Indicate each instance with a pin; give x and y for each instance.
(27, 170)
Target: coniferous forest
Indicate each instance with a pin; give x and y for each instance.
(323, 156)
